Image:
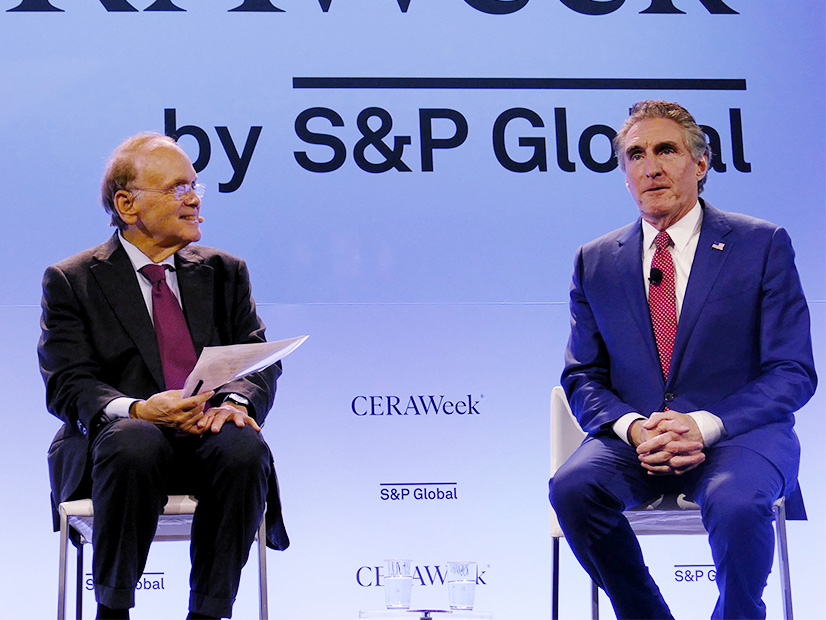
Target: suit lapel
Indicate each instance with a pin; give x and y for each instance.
(196, 281)
(709, 259)
(628, 260)
(115, 275)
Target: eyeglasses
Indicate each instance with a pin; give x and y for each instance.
(179, 191)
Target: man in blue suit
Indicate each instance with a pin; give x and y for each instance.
(689, 353)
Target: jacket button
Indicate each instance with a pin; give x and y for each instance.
(669, 396)
(80, 427)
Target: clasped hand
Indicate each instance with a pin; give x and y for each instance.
(190, 415)
(668, 443)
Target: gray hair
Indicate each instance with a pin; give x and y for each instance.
(121, 170)
(695, 137)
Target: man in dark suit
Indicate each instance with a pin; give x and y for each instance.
(130, 436)
(692, 390)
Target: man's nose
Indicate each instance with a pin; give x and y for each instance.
(652, 167)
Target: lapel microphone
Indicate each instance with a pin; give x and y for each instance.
(655, 277)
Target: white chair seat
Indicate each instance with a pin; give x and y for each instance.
(77, 524)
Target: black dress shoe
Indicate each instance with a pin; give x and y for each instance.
(194, 615)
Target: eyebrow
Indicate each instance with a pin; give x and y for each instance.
(633, 150)
(666, 145)
(659, 147)
(181, 181)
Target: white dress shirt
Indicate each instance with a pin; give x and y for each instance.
(685, 233)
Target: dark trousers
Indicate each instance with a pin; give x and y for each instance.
(735, 488)
(135, 465)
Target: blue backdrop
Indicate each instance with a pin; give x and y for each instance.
(409, 181)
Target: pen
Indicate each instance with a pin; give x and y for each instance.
(197, 387)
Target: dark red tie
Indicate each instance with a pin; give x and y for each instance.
(662, 302)
(174, 341)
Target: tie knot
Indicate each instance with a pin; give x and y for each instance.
(154, 273)
(662, 240)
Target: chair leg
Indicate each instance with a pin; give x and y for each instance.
(263, 613)
(79, 586)
(555, 587)
(61, 578)
(555, 581)
(783, 559)
(594, 601)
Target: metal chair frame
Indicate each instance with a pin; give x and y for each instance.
(76, 526)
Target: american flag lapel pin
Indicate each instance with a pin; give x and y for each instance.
(718, 246)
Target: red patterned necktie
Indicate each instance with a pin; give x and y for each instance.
(662, 302)
(174, 341)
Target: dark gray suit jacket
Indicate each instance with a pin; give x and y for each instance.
(98, 344)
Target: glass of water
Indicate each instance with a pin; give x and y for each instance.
(461, 584)
(398, 583)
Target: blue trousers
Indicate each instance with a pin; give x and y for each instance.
(135, 465)
(735, 489)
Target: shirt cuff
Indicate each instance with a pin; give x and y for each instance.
(119, 407)
(622, 425)
(711, 427)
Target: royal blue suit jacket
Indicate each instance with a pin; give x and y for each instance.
(743, 347)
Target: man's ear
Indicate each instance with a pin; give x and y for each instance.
(702, 167)
(124, 202)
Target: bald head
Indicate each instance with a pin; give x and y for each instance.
(124, 166)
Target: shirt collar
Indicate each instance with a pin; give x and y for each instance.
(138, 258)
(680, 232)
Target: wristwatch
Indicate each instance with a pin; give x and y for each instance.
(238, 400)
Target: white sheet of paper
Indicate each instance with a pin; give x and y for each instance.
(219, 365)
